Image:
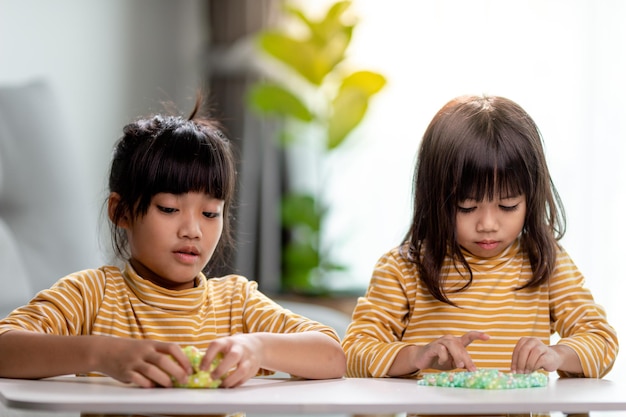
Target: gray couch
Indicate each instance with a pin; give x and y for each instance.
(48, 228)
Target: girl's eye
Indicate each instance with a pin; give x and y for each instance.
(466, 209)
(509, 208)
(210, 214)
(166, 209)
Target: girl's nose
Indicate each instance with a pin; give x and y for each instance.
(487, 222)
(190, 227)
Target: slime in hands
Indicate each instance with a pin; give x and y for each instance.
(199, 379)
(484, 379)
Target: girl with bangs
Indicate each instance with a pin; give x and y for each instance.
(171, 184)
(480, 280)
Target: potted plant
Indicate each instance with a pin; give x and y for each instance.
(319, 99)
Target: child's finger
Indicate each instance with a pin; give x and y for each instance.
(170, 368)
(216, 348)
(459, 357)
(178, 355)
(469, 337)
(519, 358)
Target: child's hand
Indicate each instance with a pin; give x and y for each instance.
(531, 354)
(147, 363)
(243, 355)
(448, 352)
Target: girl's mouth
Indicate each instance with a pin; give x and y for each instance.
(187, 255)
(488, 244)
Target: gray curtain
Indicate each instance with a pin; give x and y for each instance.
(229, 73)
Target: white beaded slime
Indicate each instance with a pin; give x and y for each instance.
(484, 379)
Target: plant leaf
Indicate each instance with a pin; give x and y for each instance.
(368, 81)
(330, 35)
(299, 262)
(317, 53)
(329, 26)
(300, 209)
(305, 57)
(300, 256)
(350, 104)
(276, 100)
(349, 109)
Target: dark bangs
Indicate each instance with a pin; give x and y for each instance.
(488, 172)
(492, 167)
(183, 160)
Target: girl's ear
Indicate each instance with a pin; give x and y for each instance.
(114, 201)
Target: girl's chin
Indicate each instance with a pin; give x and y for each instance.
(481, 252)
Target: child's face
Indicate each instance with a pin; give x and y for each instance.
(485, 228)
(176, 238)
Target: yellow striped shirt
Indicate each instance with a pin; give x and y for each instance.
(398, 310)
(108, 301)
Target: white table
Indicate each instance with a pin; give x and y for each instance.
(348, 395)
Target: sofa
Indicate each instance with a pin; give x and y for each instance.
(48, 225)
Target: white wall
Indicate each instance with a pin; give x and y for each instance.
(108, 61)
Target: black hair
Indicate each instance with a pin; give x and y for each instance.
(171, 154)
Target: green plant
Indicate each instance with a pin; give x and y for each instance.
(313, 92)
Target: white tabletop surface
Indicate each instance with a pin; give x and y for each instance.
(347, 395)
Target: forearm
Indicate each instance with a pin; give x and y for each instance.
(311, 355)
(26, 354)
(595, 347)
(404, 363)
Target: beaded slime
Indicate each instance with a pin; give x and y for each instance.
(484, 379)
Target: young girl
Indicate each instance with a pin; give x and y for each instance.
(480, 281)
(171, 184)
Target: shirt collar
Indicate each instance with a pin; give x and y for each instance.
(173, 300)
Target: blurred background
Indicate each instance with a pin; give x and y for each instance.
(107, 62)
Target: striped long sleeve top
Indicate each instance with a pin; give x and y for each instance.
(398, 310)
(112, 302)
